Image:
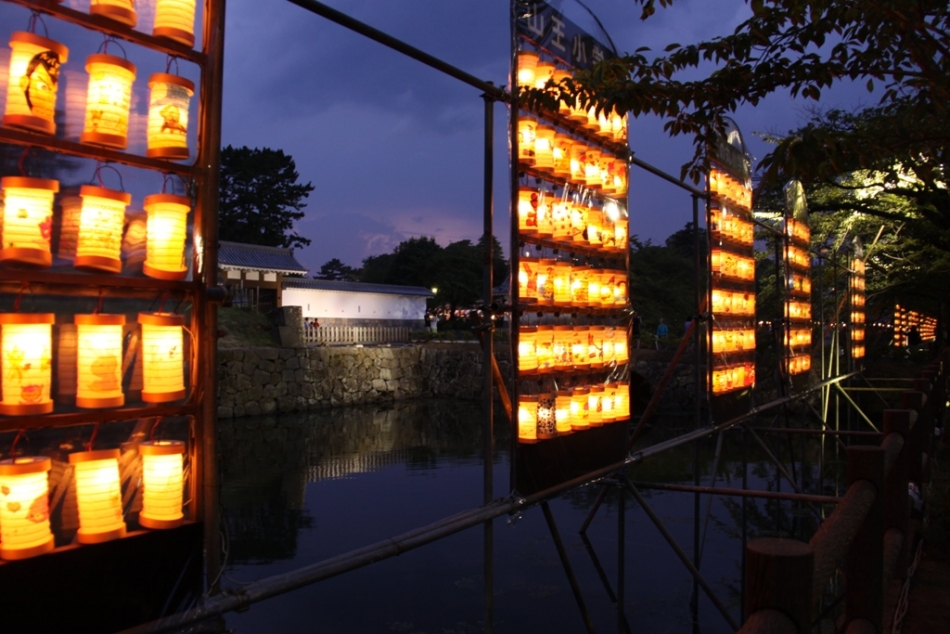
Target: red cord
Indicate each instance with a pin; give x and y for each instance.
(15, 441)
(92, 439)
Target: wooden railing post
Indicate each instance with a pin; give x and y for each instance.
(779, 577)
(896, 511)
(864, 563)
(914, 400)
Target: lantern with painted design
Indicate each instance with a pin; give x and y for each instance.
(26, 363)
(595, 224)
(546, 269)
(119, 10)
(529, 201)
(579, 351)
(545, 348)
(593, 287)
(166, 231)
(163, 358)
(98, 495)
(592, 175)
(595, 346)
(543, 72)
(579, 212)
(547, 426)
(99, 361)
(561, 218)
(175, 20)
(101, 219)
(108, 101)
(562, 412)
(27, 220)
(527, 129)
(580, 281)
(527, 62)
(528, 419)
(167, 132)
(580, 408)
(544, 147)
(162, 483)
(561, 155)
(32, 82)
(528, 278)
(577, 163)
(595, 405)
(562, 283)
(24, 508)
(608, 403)
(527, 349)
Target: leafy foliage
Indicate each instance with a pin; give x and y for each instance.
(662, 282)
(260, 198)
(335, 270)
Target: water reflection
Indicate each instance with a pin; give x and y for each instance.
(300, 489)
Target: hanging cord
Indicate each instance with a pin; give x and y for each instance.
(97, 175)
(104, 47)
(169, 60)
(151, 435)
(34, 18)
(161, 302)
(92, 439)
(15, 441)
(101, 298)
(16, 302)
(21, 163)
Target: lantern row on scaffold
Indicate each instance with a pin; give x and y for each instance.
(570, 253)
(732, 272)
(798, 323)
(906, 322)
(857, 296)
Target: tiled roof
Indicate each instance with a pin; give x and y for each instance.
(252, 257)
(357, 287)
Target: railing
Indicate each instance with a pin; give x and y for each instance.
(355, 334)
(870, 529)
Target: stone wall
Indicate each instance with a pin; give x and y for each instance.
(278, 380)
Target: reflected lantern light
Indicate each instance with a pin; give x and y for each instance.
(24, 508)
(99, 361)
(101, 219)
(165, 236)
(27, 363)
(98, 495)
(32, 82)
(175, 20)
(119, 10)
(162, 483)
(163, 359)
(27, 220)
(167, 130)
(108, 100)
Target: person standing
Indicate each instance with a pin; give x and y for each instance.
(662, 331)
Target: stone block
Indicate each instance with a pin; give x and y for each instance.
(225, 412)
(268, 406)
(270, 354)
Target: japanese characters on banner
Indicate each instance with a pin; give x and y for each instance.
(569, 249)
(856, 293)
(732, 269)
(798, 323)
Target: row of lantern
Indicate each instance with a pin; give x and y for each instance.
(732, 265)
(733, 377)
(552, 282)
(798, 257)
(798, 310)
(545, 349)
(726, 187)
(799, 364)
(24, 497)
(92, 226)
(733, 303)
(534, 72)
(799, 283)
(546, 416)
(905, 319)
(728, 227)
(564, 219)
(31, 98)
(798, 337)
(27, 361)
(857, 283)
(798, 231)
(557, 153)
(733, 340)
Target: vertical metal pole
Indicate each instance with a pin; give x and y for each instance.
(745, 534)
(621, 558)
(514, 249)
(487, 356)
(571, 579)
(694, 601)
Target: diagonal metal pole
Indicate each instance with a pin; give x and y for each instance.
(715, 470)
(602, 575)
(864, 416)
(682, 555)
(781, 469)
(594, 508)
(562, 553)
(824, 425)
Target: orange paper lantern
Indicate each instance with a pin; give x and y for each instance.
(580, 409)
(166, 231)
(527, 349)
(26, 363)
(119, 10)
(162, 483)
(99, 361)
(32, 82)
(108, 101)
(162, 357)
(24, 508)
(101, 219)
(27, 220)
(175, 20)
(167, 131)
(527, 419)
(98, 495)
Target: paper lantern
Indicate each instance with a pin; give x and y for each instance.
(561, 219)
(595, 404)
(561, 155)
(604, 128)
(546, 281)
(98, 495)
(32, 82)
(544, 147)
(608, 407)
(27, 363)
(593, 287)
(578, 163)
(580, 409)
(529, 200)
(592, 175)
(527, 61)
(175, 20)
(563, 340)
(579, 214)
(24, 508)
(166, 232)
(162, 483)
(167, 129)
(608, 282)
(580, 283)
(545, 349)
(64, 242)
(99, 246)
(579, 351)
(595, 346)
(27, 220)
(547, 427)
(609, 348)
(543, 72)
(559, 76)
(162, 357)
(618, 126)
(527, 419)
(562, 412)
(545, 220)
(622, 400)
(592, 122)
(527, 350)
(621, 347)
(108, 101)
(528, 278)
(595, 224)
(562, 283)
(119, 10)
(527, 128)
(99, 361)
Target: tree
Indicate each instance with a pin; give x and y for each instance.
(260, 198)
(335, 270)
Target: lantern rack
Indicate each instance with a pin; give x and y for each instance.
(106, 155)
(113, 28)
(41, 281)
(576, 129)
(528, 308)
(572, 248)
(90, 417)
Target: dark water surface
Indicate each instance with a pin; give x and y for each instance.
(300, 489)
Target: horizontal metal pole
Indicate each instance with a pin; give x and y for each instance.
(748, 493)
(667, 177)
(816, 432)
(398, 45)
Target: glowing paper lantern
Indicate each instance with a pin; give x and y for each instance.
(593, 287)
(563, 357)
(98, 495)
(578, 163)
(610, 338)
(595, 346)
(27, 220)
(99, 361)
(529, 200)
(544, 147)
(608, 282)
(162, 357)
(65, 241)
(32, 82)
(592, 175)
(528, 278)
(580, 409)
(595, 224)
(99, 246)
(622, 401)
(527, 62)
(108, 100)
(175, 20)
(580, 282)
(579, 214)
(545, 220)
(579, 352)
(561, 155)
(527, 351)
(167, 130)
(547, 427)
(166, 233)
(527, 129)
(528, 419)
(119, 10)
(545, 349)
(543, 72)
(561, 219)
(595, 405)
(24, 508)
(562, 283)
(162, 483)
(546, 281)
(608, 413)
(27, 363)
(562, 412)
(559, 76)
